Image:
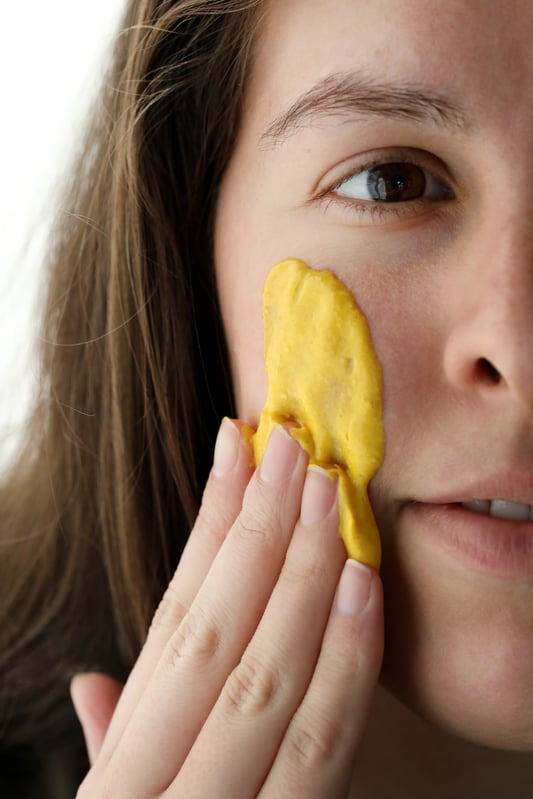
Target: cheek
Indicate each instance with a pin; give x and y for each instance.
(396, 305)
(240, 303)
(248, 242)
(240, 274)
(255, 228)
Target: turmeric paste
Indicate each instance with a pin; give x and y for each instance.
(324, 376)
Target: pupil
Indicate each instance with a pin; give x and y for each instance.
(396, 182)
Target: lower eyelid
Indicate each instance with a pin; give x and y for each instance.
(366, 210)
(370, 212)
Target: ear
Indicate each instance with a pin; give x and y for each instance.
(95, 697)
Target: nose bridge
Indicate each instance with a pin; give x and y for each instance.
(509, 267)
(490, 346)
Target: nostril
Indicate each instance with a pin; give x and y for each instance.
(487, 372)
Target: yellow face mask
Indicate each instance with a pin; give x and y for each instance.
(323, 375)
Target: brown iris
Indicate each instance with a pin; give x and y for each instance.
(396, 182)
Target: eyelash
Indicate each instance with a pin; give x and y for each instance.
(382, 210)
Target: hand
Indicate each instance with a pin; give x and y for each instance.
(258, 672)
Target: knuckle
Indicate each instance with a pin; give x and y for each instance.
(300, 571)
(213, 520)
(342, 663)
(197, 638)
(161, 613)
(258, 527)
(251, 687)
(169, 612)
(313, 742)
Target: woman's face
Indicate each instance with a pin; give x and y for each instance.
(438, 252)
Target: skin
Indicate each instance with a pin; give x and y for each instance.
(444, 418)
(447, 286)
(218, 703)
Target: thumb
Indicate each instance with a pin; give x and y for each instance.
(95, 697)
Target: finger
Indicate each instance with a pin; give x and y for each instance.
(239, 741)
(214, 633)
(95, 698)
(316, 758)
(221, 503)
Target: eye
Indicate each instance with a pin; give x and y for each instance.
(395, 182)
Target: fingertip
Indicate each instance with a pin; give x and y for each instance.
(233, 447)
(359, 607)
(94, 697)
(353, 592)
(226, 448)
(319, 496)
(281, 457)
(80, 691)
(247, 435)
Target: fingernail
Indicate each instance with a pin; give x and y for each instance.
(320, 491)
(226, 448)
(280, 456)
(353, 591)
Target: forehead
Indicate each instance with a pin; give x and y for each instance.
(475, 51)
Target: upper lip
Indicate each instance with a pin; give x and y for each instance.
(512, 485)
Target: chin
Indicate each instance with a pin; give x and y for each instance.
(459, 648)
(477, 716)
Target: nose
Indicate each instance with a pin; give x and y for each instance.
(489, 347)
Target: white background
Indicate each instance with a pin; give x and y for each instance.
(52, 57)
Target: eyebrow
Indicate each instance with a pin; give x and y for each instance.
(344, 94)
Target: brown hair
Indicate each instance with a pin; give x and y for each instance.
(95, 513)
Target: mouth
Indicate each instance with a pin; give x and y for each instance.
(490, 535)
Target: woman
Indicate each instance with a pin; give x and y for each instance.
(388, 142)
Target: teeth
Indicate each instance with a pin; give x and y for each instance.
(509, 510)
(478, 505)
(501, 508)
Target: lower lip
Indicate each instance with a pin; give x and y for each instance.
(498, 546)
